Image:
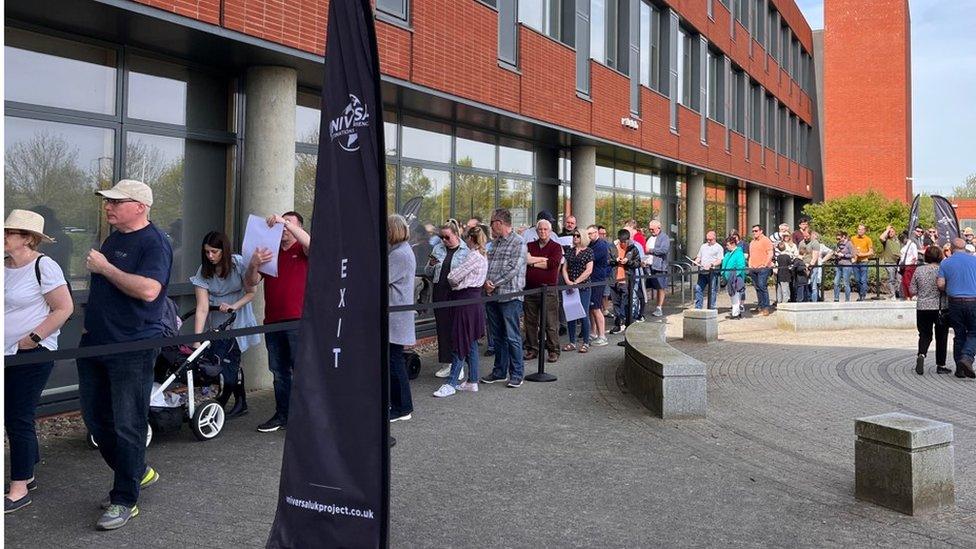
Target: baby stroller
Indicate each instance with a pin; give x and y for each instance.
(201, 369)
(196, 369)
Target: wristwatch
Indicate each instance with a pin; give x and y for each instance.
(35, 338)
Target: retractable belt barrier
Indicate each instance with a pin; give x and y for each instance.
(144, 344)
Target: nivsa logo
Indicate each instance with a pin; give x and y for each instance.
(345, 127)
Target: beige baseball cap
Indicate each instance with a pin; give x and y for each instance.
(26, 220)
(967, 230)
(129, 189)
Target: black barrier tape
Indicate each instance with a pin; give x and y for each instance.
(143, 344)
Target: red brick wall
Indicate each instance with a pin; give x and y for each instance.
(867, 98)
(965, 208)
(452, 45)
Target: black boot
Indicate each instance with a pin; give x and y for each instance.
(240, 401)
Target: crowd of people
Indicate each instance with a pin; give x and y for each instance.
(518, 270)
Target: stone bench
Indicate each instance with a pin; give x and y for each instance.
(668, 382)
(845, 315)
(699, 325)
(904, 463)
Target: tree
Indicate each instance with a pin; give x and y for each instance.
(872, 209)
(967, 189)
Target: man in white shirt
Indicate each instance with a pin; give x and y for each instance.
(709, 259)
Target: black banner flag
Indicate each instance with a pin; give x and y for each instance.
(946, 223)
(334, 488)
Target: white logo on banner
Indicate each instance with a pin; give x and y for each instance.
(345, 127)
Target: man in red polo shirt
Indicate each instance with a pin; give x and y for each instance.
(284, 296)
(542, 268)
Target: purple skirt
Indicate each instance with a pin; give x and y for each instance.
(467, 321)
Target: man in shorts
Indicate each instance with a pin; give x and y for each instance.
(658, 248)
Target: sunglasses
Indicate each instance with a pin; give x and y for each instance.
(116, 201)
(576, 235)
(755, 230)
(15, 232)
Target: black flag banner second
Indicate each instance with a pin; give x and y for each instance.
(334, 488)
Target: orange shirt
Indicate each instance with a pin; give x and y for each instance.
(862, 245)
(760, 252)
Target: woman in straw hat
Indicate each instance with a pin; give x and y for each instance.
(36, 304)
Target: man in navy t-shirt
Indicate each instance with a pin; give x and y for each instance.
(601, 270)
(957, 278)
(126, 300)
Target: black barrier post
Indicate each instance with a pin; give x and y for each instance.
(630, 300)
(877, 271)
(541, 375)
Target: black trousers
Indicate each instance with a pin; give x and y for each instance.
(926, 321)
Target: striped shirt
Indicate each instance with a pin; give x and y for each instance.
(506, 265)
(471, 273)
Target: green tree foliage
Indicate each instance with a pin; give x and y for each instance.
(967, 189)
(872, 209)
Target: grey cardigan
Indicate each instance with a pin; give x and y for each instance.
(402, 266)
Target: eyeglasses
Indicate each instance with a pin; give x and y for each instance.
(116, 201)
(755, 230)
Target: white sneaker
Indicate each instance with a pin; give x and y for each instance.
(599, 342)
(445, 391)
(658, 312)
(469, 387)
(443, 372)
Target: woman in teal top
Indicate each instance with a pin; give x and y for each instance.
(734, 271)
(219, 282)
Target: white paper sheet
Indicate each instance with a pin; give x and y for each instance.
(565, 240)
(572, 306)
(257, 234)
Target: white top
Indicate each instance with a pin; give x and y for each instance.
(651, 241)
(530, 235)
(24, 305)
(710, 254)
(909, 254)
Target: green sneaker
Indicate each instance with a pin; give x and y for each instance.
(116, 516)
(149, 478)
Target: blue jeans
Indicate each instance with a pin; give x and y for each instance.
(503, 321)
(401, 401)
(760, 279)
(457, 362)
(571, 325)
(710, 279)
(282, 351)
(962, 318)
(21, 392)
(861, 275)
(816, 275)
(801, 293)
(842, 273)
(114, 391)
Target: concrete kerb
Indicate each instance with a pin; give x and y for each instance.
(828, 315)
(666, 381)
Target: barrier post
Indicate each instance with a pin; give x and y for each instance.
(541, 375)
(630, 300)
(877, 271)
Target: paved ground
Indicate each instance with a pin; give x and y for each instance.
(575, 463)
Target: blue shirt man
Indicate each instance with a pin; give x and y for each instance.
(957, 277)
(129, 275)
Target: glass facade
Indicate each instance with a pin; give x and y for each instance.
(624, 192)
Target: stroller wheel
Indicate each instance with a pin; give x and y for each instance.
(413, 365)
(207, 420)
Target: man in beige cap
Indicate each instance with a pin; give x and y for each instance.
(127, 295)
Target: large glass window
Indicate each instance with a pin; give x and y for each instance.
(476, 150)
(549, 17)
(52, 72)
(645, 43)
(54, 169)
(516, 195)
(713, 88)
(305, 164)
(598, 30)
(307, 118)
(604, 210)
(474, 196)
(755, 112)
(684, 68)
(396, 8)
(716, 214)
(433, 186)
(515, 160)
(426, 141)
(174, 94)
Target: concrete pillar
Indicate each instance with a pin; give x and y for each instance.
(583, 183)
(787, 214)
(753, 199)
(268, 179)
(696, 214)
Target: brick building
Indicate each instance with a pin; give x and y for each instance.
(867, 98)
(699, 113)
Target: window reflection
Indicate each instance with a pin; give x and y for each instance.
(58, 73)
(188, 179)
(476, 152)
(426, 144)
(513, 160)
(174, 94)
(434, 188)
(54, 169)
(474, 196)
(307, 118)
(516, 195)
(305, 185)
(604, 210)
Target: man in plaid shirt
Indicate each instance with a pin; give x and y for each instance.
(506, 274)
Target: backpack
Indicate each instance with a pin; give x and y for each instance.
(37, 274)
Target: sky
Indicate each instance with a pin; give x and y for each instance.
(943, 89)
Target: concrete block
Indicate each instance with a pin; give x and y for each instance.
(700, 325)
(668, 382)
(845, 315)
(904, 463)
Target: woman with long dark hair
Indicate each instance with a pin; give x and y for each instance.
(220, 283)
(931, 306)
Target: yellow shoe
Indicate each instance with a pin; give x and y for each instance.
(149, 478)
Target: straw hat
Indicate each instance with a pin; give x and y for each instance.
(26, 220)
